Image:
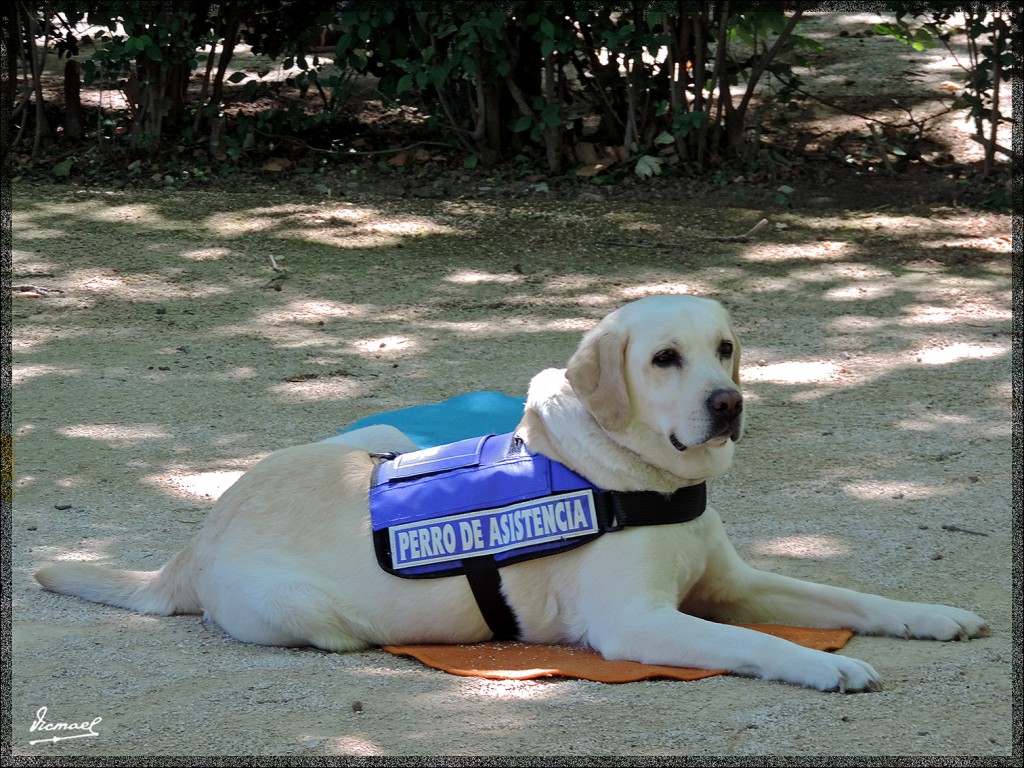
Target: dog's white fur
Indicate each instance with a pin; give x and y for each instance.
(286, 557)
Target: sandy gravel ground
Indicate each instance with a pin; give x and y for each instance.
(877, 369)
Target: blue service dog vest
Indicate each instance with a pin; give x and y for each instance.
(477, 505)
(434, 508)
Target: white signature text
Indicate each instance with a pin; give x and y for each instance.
(42, 724)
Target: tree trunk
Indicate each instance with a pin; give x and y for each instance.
(678, 54)
(150, 104)
(526, 72)
(227, 51)
(162, 85)
(176, 78)
(553, 134)
(494, 130)
(996, 40)
(73, 123)
(36, 63)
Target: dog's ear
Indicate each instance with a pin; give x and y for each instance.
(597, 373)
(736, 378)
(735, 357)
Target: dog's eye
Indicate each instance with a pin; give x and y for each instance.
(725, 349)
(667, 358)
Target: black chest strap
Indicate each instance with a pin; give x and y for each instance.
(619, 509)
(616, 510)
(485, 580)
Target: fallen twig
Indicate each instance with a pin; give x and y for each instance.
(280, 701)
(358, 153)
(958, 529)
(282, 274)
(340, 153)
(915, 122)
(307, 376)
(628, 244)
(33, 291)
(744, 238)
(883, 151)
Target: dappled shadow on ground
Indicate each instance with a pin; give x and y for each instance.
(876, 365)
(175, 331)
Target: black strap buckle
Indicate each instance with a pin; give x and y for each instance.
(610, 513)
(618, 510)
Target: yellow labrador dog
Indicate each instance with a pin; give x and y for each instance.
(650, 401)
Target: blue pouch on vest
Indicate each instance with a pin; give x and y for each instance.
(485, 496)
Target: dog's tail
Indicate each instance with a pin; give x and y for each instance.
(165, 592)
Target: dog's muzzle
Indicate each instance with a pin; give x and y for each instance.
(725, 406)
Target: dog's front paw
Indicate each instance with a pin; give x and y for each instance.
(943, 622)
(850, 676)
(825, 672)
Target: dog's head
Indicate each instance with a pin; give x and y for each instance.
(662, 376)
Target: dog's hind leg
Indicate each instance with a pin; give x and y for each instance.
(287, 614)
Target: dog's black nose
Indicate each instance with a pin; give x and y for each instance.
(725, 404)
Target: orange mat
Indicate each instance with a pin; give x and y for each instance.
(523, 661)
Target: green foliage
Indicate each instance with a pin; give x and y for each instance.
(491, 79)
(495, 78)
(131, 36)
(992, 35)
(63, 168)
(647, 166)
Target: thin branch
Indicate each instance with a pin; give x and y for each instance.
(995, 147)
(393, 151)
(714, 79)
(355, 153)
(282, 274)
(958, 529)
(698, 62)
(917, 123)
(594, 82)
(883, 151)
(519, 97)
(765, 59)
(480, 127)
(744, 238)
(205, 88)
(33, 291)
(628, 244)
(460, 133)
(997, 72)
(719, 75)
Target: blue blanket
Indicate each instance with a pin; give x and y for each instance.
(458, 418)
